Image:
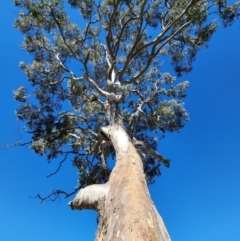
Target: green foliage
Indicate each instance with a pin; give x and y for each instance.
(125, 39)
(20, 94)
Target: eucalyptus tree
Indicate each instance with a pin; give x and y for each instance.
(99, 96)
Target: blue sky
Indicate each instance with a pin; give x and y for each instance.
(198, 197)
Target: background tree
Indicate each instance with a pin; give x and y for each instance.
(120, 81)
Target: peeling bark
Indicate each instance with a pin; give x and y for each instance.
(124, 204)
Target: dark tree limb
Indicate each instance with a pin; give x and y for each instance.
(54, 195)
(59, 166)
(13, 144)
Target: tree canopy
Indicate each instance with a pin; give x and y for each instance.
(116, 53)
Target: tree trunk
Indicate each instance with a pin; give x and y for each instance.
(124, 204)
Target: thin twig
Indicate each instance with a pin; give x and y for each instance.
(59, 166)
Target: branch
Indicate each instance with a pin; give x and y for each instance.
(111, 72)
(157, 40)
(59, 166)
(63, 66)
(153, 55)
(84, 131)
(139, 74)
(88, 26)
(62, 115)
(116, 47)
(154, 44)
(91, 81)
(153, 153)
(172, 36)
(53, 83)
(13, 144)
(139, 112)
(143, 148)
(86, 77)
(54, 195)
(109, 38)
(61, 32)
(94, 85)
(157, 123)
(130, 55)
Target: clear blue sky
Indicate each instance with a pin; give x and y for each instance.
(198, 197)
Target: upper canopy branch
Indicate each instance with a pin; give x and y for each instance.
(155, 49)
(111, 72)
(158, 39)
(85, 77)
(123, 27)
(61, 31)
(109, 37)
(130, 56)
(154, 54)
(139, 112)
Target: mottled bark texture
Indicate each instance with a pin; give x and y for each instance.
(124, 204)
